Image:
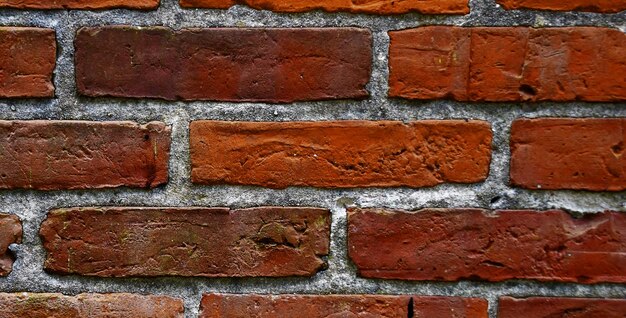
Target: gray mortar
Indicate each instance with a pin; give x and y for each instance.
(341, 276)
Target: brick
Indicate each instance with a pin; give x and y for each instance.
(508, 64)
(543, 307)
(57, 155)
(569, 153)
(208, 242)
(77, 4)
(358, 306)
(32, 305)
(224, 64)
(10, 233)
(28, 60)
(452, 245)
(340, 154)
(603, 6)
(366, 6)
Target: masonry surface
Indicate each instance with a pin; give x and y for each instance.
(145, 143)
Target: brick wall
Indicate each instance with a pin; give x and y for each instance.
(221, 158)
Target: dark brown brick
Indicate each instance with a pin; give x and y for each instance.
(209, 242)
(55, 155)
(504, 64)
(10, 232)
(89, 306)
(28, 60)
(340, 154)
(544, 307)
(321, 306)
(224, 64)
(451, 245)
(569, 153)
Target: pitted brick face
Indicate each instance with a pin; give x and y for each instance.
(452, 245)
(10, 233)
(603, 6)
(33, 305)
(542, 307)
(207, 242)
(340, 154)
(28, 57)
(353, 6)
(278, 65)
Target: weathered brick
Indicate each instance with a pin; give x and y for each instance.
(314, 306)
(54, 155)
(77, 4)
(224, 64)
(450, 245)
(340, 154)
(604, 6)
(89, 306)
(209, 242)
(10, 232)
(362, 6)
(544, 307)
(569, 153)
(28, 60)
(508, 64)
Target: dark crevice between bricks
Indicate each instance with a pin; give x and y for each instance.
(410, 310)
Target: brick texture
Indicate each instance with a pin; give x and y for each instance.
(357, 306)
(340, 154)
(363, 6)
(568, 153)
(543, 307)
(77, 4)
(55, 155)
(28, 60)
(10, 232)
(89, 306)
(224, 64)
(209, 242)
(450, 245)
(506, 64)
(604, 6)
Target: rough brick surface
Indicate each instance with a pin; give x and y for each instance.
(508, 64)
(78, 4)
(89, 306)
(604, 6)
(544, 307)
(362, 6)
(224, 64)
(54, 155)
(209, 242)
(28, 57)
(10, 232)
(340, 154)
(568, 153)
(450, 245)
(356, 306)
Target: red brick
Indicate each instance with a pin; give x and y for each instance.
(450, 245)
(224, 64)
(362, 6)
(502, 64)
(357, 306)
(55, 155)
(10, 232)
(569, 153)
(340, 154)
(28, 60)
(209, 242)
(78, 4)
(89, 306)
(604, 6)
(544, 307)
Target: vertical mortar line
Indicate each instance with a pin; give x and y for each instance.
(179, 165)
(493, 305)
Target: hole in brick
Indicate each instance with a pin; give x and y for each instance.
(527, 90)
(618, 149)
(146, 137)
(410, 311)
